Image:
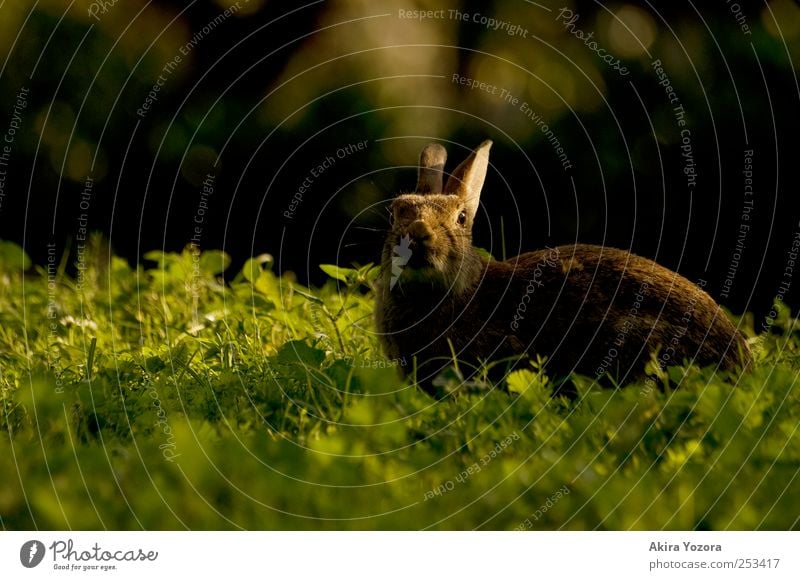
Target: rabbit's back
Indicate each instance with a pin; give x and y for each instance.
(600, 310)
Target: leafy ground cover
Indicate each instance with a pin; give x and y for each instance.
(161, 397)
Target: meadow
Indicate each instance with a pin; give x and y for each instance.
(165, 397)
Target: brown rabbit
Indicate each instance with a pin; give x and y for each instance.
(597, 311)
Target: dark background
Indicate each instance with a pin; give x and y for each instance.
(272, 90)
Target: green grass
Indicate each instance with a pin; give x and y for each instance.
(162, 398)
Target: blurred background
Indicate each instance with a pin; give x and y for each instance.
(261, 126)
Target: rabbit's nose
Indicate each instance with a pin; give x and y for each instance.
(419, 231)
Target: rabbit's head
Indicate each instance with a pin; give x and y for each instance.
(431, 236)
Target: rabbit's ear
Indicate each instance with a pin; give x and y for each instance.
(431, 168)
(467, 179)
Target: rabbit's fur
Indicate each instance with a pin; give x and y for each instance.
(593, 310)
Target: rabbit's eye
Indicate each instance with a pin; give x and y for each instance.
(462, 217)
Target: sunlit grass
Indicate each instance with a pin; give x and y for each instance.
(163, 397)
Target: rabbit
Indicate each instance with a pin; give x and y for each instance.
(593, 310)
